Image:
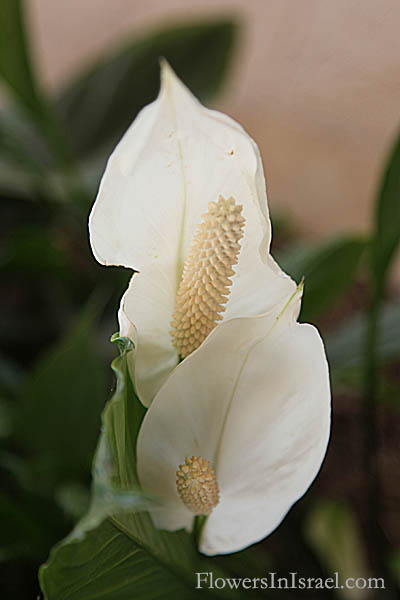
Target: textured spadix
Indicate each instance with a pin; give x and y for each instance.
(176, 158)
(254, 399)
(197, 485)
(205, 284)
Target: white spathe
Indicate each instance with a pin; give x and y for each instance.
(254, 399)
(176, 157)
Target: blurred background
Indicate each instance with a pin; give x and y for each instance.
(316, 84)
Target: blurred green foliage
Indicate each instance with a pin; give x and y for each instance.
(333, 531)
(329, 271)
(58, 310)
(136, 555)
(15, 66)
(99, 106)
(385, 237)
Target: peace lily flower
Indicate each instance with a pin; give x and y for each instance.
(183, 203)
(239, 430)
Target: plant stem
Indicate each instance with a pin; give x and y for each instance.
(371, 439)
(198, 525)
(377, 542)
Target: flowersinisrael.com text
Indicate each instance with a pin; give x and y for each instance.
(292, 581)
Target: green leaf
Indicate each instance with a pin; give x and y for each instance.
(10, 376)
(107, 564)
(15, 67)
(21, 161)
(394, 564)
(345, 350)
(345, 345)
(123, 556)
(60, 405)
(28, 166)
(122, 419)
(17, 72)
(23, 154)
(30, 524)
(98, 107)
(95, 110)
(329, 271)
(115, 469)
(387, 221)
(34, 252)
(35, 160)
(332, 531)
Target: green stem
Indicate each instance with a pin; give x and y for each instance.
(199, 522)
(371, 439)
(377, 542)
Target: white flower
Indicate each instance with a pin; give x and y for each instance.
(239, 430)
(176, 159)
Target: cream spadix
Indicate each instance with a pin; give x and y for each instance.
(207, 273)
(175, 159)
(197, 485)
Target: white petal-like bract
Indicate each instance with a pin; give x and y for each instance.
(175, 158)
(254, 400)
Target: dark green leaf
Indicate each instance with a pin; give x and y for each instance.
(10, 376)
(115, 468)
(108, 565)
(124, 556)
(98, 107)
(35, 160)
(27, 165)
(61, 400)
(387, 231)
(19, 170)
(345, 346)
(29, 525)
(17, 72)
(329, 271)
(31, 251)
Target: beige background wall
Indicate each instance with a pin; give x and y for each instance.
(316, 82)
